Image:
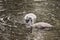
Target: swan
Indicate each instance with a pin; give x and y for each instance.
(30, 20)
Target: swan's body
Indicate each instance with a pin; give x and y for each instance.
(41, 24)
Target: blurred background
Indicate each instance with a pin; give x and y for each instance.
(13, 11)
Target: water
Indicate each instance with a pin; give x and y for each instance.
(12, 28)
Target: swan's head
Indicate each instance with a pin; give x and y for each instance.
(29, 19)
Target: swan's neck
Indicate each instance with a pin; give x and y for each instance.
(29, 24)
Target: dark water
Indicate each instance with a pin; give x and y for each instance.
(13, 11)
